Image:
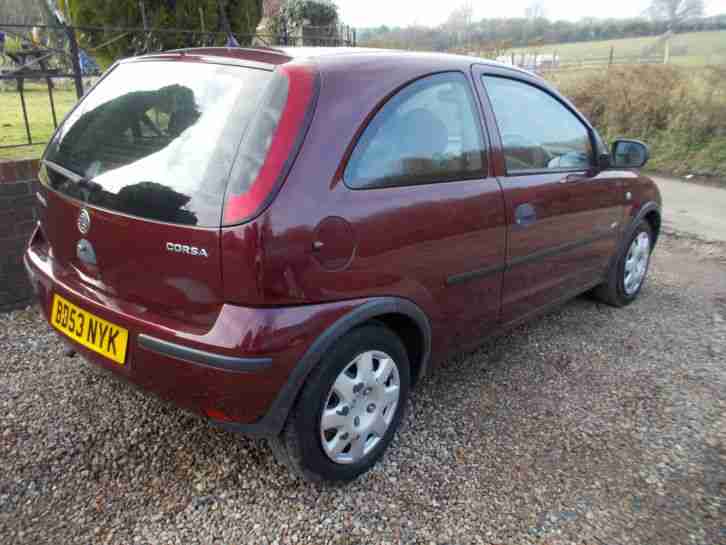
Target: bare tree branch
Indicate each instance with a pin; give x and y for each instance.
(675, 11)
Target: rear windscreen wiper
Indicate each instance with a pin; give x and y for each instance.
(63, 171)
(82, 181)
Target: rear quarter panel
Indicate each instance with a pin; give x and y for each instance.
(390, 256)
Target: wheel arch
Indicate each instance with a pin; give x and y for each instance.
(402, 316)
(412, 337)
(652, 216)
(649, 212)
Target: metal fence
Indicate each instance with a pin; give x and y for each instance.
(59, 55)
(543, 61)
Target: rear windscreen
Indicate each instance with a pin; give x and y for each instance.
(157, 139)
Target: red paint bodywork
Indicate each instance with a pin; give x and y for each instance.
(265, 290)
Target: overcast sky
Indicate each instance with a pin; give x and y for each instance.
(372, 13)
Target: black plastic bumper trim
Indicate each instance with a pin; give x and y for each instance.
(201, 357)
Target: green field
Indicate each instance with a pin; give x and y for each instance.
(12, 127)
(693, 48)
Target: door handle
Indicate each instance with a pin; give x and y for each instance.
(525, 214)
(570, 178)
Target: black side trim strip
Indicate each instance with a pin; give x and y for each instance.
(192, 355)
(460, 278)
(547, 252)
(476, 274)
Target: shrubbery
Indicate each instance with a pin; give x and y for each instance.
(243, 17)
(680, 112)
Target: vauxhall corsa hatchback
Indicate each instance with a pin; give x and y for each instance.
(284, 240)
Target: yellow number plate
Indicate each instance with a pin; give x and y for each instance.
(89, 330)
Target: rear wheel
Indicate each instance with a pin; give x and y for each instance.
(349, 408)
(627, 275)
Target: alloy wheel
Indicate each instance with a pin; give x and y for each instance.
(636, 263)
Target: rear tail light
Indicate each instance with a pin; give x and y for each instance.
(271, 142)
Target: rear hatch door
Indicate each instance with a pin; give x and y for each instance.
(135, 180)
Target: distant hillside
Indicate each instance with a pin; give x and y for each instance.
(692, 48)
(505, 33)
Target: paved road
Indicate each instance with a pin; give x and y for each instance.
(693, 209)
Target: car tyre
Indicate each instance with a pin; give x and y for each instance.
(304, 446)
(628, 272)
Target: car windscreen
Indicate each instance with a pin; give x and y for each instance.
(157, 139)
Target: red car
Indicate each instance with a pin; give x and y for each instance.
(284, 240)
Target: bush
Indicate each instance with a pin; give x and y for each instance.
(243, 16)
(680, 112)
(316, 12)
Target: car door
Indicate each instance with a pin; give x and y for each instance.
(429, 209)
(563, 214)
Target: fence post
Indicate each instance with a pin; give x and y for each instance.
(667, 51)
(21, 90)
(145, 24)
(52, 102)
(75, 61)
(142, 9)
(285, 36)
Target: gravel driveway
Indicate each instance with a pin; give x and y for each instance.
(590, 425)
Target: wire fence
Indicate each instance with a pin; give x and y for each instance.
(53, 59)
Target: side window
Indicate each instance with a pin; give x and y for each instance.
(538, 132)
(428, 132)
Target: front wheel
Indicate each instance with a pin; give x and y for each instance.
(349, 408)
(628, 273)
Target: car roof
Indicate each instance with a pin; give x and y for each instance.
(338, 56)
(342, 52)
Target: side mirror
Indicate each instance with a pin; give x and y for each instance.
(629, 154)
(603, 161)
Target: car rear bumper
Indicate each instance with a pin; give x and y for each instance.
(233, 373)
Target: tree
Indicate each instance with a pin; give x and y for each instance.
(459, 22)
(488, 34)
(270, 8)
(213, 15)
(314, 21)
(536, 10)
(675, 12)
(314, 12)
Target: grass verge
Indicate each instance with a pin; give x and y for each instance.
(12, 126)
